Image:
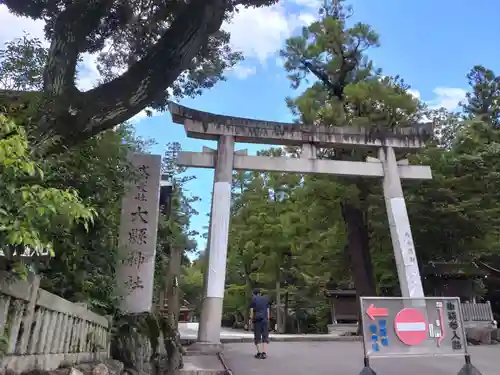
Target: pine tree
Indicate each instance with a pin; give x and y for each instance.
(348, 91)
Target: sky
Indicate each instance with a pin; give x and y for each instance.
(431, 44)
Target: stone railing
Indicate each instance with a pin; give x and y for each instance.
(39, 330)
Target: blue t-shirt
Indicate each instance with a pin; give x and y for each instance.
(259, 304)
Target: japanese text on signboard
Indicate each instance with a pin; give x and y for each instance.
(395, 327)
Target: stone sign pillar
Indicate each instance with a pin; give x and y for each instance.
(211, 313)
(399, 224)
(138, 230)
(207, 249)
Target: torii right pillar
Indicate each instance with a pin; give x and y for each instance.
(399, 224)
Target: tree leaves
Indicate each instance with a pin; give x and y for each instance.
(30, 211)
(22, 63)
(454, 216)
(149, 50)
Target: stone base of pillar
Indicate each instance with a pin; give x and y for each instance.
(210, 320)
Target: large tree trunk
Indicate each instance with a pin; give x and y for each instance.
(358, 251)
(285, 312)
(172, 341)
(76, 116)
(279, 315)
(174, 273)
(248, 296)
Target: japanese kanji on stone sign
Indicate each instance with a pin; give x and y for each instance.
(138, 228)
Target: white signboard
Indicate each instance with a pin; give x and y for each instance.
(404, 232)
(138, 229)
(218, 240)
(404, 327)
(407, 247)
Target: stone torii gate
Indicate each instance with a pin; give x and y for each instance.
(227, 130)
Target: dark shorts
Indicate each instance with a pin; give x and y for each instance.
(261, 331)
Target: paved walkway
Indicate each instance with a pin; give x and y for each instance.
(189, 331)
(346, 358)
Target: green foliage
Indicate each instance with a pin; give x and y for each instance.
(297, 244)
(174, 227)
(348, 91)
(45, 204)
(176, 48)
(31, 212)
(278, 240)
(191, 284)
(4, 343)
(83, 269)
(22, 63)
(83, 266)
(484, 99)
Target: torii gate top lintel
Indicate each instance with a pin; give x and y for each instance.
(206, 125)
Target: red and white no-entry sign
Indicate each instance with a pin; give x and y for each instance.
(410, 327)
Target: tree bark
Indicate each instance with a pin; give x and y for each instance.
(248, 296)
(285, 312)
(358, 250)
(172, 341)
(72, 27)
(118, 100)
(279, 316)
(174, 273)
(76, 116)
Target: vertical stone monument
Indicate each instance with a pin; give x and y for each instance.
(137, 238)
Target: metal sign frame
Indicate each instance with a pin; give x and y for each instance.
(424, 299)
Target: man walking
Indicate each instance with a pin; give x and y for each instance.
(260, 316)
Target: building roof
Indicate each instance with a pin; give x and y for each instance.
(452, 269)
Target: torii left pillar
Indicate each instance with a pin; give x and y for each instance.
(211, 311)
